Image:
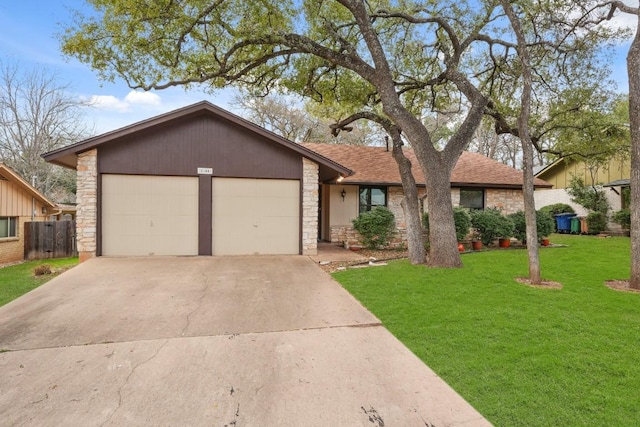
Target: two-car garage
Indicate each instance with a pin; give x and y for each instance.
(196, 181)
(158, 215)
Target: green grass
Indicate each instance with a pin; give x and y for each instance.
(522, 356)
(17, 280)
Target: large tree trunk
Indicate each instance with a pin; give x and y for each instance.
(633, 68)
(417, 252)
(443, 251)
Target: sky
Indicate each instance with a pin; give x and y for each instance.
(28, 31)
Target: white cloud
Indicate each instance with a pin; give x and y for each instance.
(142, 98)
(109, 103)
(126, 105)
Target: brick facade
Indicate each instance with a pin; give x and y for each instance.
(12, 248)
(508, 201)
(87, 198)
(309, 207)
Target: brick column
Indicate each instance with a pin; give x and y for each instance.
(87, 208)
(309, 207)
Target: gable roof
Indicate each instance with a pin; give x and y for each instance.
(10, 175)
(67, 156)
(552, 166)
(375, 165)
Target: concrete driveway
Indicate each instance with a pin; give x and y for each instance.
(237, 341)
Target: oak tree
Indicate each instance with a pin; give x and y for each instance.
(396, 63)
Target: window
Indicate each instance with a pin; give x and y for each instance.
(472, 198)
(8, 226)
(371, 197)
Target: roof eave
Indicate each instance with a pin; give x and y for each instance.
(22, 183)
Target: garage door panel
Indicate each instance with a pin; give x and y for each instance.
(149, 215)
(255, 216)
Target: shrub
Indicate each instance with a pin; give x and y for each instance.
(623, 218)
(42, 269)
(462, 219)
(376, 227)
(557, 208)
(596, 222)
(544, 222)
(490, 225)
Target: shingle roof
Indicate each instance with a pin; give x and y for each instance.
(375, 165)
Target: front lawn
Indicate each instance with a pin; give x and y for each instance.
(522, 356)
(17, 280)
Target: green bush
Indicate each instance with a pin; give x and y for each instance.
(623, 218)
(462, 219)
(596, 222)
(544, 222)
(376, 227)
(490, 225)
(557, 208)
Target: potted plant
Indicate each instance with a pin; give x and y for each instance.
(476, 243)
(504, 230)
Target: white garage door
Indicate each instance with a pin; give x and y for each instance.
(149, 215)
(255, 216)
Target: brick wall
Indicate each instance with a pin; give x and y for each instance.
(309, 207)
(87, 208)
(508, 201)
(12, 248)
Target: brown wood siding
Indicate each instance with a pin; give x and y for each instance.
(180, 147)
(15, 202)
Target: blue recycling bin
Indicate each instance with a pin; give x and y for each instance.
(563, 222)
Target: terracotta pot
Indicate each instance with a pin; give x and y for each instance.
(476, 246)
(504, 243)
(460, 247)
(545, 242)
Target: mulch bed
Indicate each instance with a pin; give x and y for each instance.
(620, 285)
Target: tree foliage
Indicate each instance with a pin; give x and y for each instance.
(38, 115)
(398, 64)
(591, 197)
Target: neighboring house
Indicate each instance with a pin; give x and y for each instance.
(203, 181)
(477, 182)
(19, 203)
(614, 176)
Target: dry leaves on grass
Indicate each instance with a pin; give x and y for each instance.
(545, 284)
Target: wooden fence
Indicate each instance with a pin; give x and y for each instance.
(49, 239)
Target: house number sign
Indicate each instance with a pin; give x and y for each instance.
(205, 171)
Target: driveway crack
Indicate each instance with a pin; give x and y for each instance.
(204, 291)
(126, 380)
